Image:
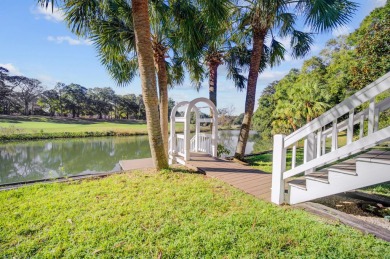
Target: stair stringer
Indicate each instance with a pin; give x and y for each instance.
(367, 173)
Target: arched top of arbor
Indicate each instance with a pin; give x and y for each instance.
(181, 145)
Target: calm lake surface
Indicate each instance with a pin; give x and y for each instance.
(49, 159)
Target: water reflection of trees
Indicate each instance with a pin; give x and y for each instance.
(58, 158)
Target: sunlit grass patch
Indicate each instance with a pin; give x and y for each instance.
(173, 214)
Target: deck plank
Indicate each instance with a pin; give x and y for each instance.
(245, 178)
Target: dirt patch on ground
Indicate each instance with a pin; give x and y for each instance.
(369, 211)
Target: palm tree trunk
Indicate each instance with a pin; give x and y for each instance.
(148, 81)
(213, 75)
(162, 77)
(258, 40)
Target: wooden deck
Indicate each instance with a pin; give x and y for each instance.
(245, 178)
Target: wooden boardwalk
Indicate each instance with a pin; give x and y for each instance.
(245, 178)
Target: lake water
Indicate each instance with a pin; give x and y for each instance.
(48, 159)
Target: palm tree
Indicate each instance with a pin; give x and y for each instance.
(108, 25)
(148, 79)
(310, 99)
(111, 27)
(266, 19)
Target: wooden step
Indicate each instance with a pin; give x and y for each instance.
(299, 183)
(381, 157)
(320, 176)
(346, 167)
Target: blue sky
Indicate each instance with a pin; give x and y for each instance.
(36, 43)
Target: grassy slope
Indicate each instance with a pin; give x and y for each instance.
(167, 214)
(34, 124)
(38, 127)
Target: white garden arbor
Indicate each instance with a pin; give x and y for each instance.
(181, 145)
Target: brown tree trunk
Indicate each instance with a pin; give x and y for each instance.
(258, 40)
(291, 121)
(162, 77)
(213, 75)
(148, 81)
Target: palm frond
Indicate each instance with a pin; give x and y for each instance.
(325, 15)
(301, 43)
(276, 52)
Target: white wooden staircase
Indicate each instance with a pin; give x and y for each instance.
(364, 170)
(324, 168)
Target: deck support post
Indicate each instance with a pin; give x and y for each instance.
(278, 167)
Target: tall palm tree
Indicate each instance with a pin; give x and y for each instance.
(109, 25)
(267, 19)
(89, 18)
(226, 49)
(148, 79)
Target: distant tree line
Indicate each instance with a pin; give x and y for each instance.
(23, 95)
(346, 65)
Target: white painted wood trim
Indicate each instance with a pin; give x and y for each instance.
(350, 126)
(278, 167)
(365, 142)
(371, 116)
(378, 86)
(334, 135)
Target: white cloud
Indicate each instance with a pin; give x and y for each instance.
(12, 69)
(379, 3)
(275, 75)
(51, 14)
(47, 80)
(341, 30)
(69, 40)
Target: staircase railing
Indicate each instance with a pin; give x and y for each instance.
(315, 134)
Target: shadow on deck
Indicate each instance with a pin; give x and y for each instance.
(249, 180)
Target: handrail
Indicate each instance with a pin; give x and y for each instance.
(315, 134)
(385, 104)
(380, 135)
(378, 86)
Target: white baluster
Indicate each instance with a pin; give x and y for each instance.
(309, 150)
(371, 116)
(323, 145)
(319, 140)
(361, 131)
(376, 119)
(350, 127)
(294, 156)
(334, 135)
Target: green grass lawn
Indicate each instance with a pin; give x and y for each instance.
(381, 189)
(169, 214)
(263, 162)
(40, 127)
(35, 124)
